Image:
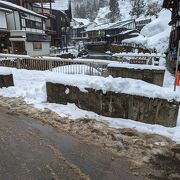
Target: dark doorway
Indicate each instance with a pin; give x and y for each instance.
(18, 47)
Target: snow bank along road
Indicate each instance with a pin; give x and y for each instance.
(30, 149)
(31, 86)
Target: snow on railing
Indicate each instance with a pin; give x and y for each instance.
(139, 58)
(54, 64)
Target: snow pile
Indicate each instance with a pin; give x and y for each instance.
(5, 71)
(155, 34)
(81, 21)
(118, 85)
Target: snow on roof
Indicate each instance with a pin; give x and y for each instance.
(111, 25)
(61, 5)
(128, 31)
(14, 6)
(83, 21)
(100, 27)
(121, 23)
(142, 18)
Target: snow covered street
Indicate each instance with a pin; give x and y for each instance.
(30, 85)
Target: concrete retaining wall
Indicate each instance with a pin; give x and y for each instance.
(6, 80)
(147, 75)
(117, 105)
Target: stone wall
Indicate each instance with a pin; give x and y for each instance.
(117, 105)
(6, 80)
(147, 75)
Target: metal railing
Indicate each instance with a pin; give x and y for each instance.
(58, 50)
(66, 66)
(142, 58)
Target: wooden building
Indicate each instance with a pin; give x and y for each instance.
(61, 24)
(26, 31)
(58, 17)
(79, 26)
(140, 23)
(113, 32)
(174, 7)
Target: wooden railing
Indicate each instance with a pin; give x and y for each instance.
(67, 66)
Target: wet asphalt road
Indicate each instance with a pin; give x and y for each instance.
(30, 149)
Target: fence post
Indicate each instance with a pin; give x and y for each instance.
(50, 65)
(18, 63)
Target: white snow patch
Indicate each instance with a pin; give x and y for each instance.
(155, 34)
(136, 66)
(5, 72)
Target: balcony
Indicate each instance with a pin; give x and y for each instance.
(48, 31)
(48, 15)
(44, 12)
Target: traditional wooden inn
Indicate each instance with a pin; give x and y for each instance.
(58, 26)
(79, 26)
(174, 7)
(58, 17)
(140, 23)
(61, 25)
(26, 30)
(113, 33)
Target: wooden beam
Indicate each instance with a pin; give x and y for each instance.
(42, 8)
(21, 2)
(50, 6)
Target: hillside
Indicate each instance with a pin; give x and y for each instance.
(99, 11)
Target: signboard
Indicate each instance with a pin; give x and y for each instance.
(138, 61)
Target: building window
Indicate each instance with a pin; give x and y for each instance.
(37, 46)
(33, 24)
